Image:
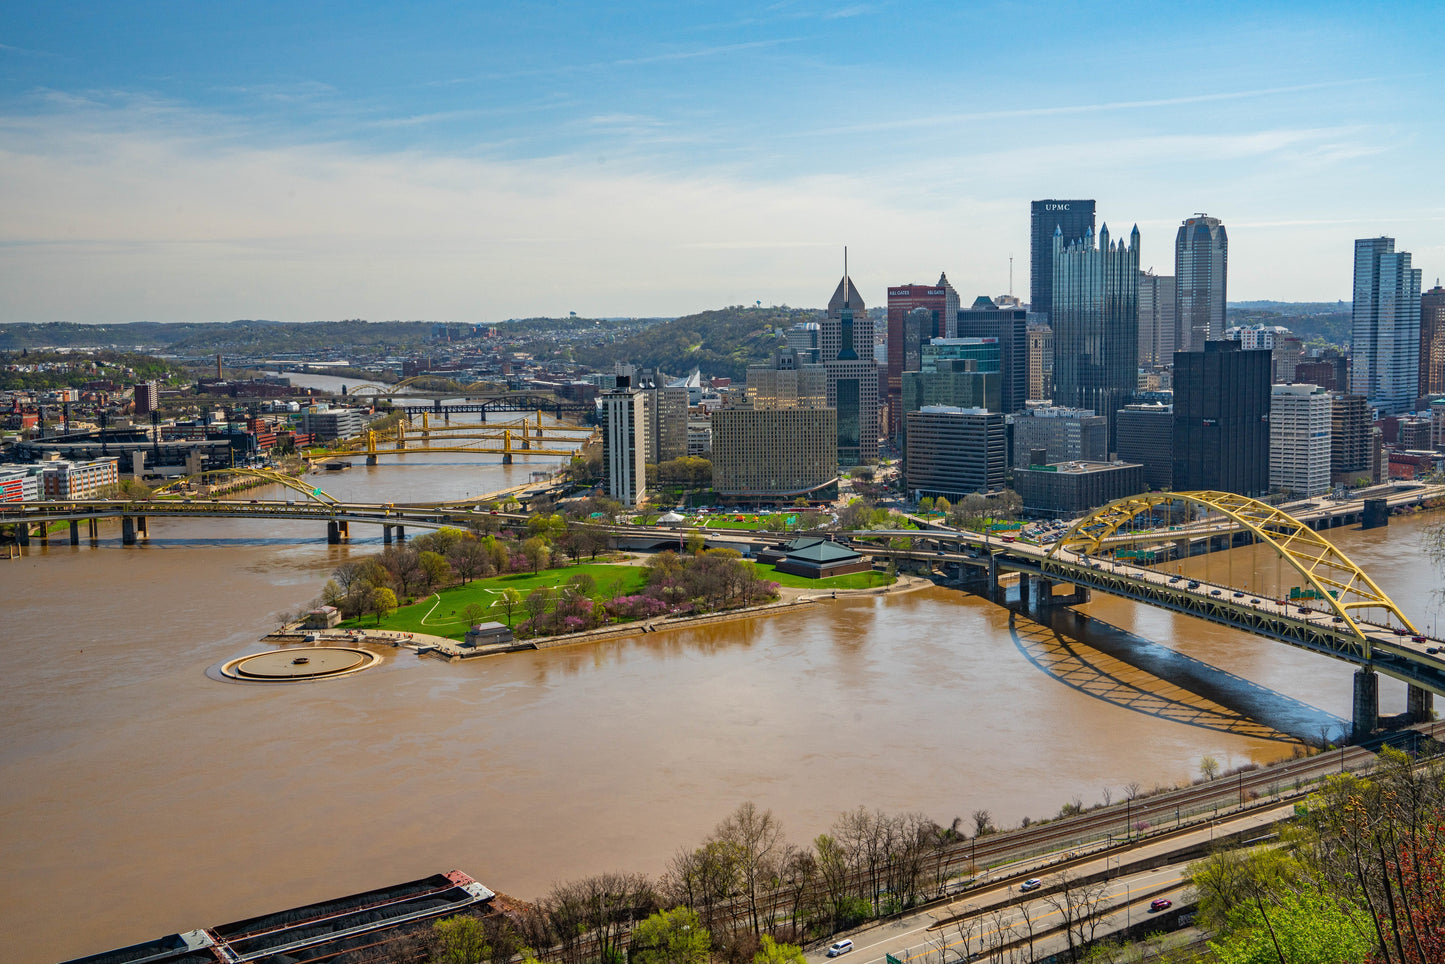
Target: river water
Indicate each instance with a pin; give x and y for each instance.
(164, 800)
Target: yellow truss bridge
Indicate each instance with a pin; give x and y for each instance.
(220, 476)
(508, 440)
(1337, 582)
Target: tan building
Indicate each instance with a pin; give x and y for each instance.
(1041, 362)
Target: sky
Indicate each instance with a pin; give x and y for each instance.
(478, 161)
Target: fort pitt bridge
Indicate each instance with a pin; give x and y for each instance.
(1341, 612)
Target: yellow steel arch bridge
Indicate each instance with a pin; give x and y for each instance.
(224, 475)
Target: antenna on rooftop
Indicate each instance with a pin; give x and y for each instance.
(1010, 276)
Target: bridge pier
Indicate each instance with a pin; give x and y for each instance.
(22, 534)
(371, 459)
(333, 534)
(1367, 703)
(401, 533)
(386, 535)
(507, 458)
(94, 525)
(74, 532)
(127, 530)
(1419, 704)
(993, 588)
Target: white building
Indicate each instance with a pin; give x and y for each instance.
(1252, 337)
(624, 428)
(63, 479)
(19, 483)
(1299, 439)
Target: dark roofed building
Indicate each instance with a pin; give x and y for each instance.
(815, 558)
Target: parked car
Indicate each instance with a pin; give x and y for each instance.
(1162, 903)
(1033, 883)
(840, 947)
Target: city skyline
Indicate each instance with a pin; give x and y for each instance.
(206, 164)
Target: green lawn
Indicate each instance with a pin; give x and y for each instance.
(853, 580)
(440, 615)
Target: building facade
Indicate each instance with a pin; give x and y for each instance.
(332, 423)
(147, 398)
(1385, 328)
(1201, 267)
(1145, 435)
(624, 442)
(1071, 220)
(1096, 322)
(1299, 439)
(1061, 434)
(1351, 439)
(953, 451)
(939, 306)
(1156, 319)
(63, 479)
(1073, 488)
(774, 454)
(1009, 327)
(1041, 361)
(19, 483)
(853, 378)
(1432, 342)
(1221, 419)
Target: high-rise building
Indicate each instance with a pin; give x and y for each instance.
(781, 442)
(1351, 439)
(1010, 327)
(1221, 419)
(1299, 439)
(804, 338)
(624, 442)
(1156, 319)
(1096, 322)
(1070, 489)
(956, 384)
(1145, 435)
(1385, 333)
(1437, 424)
(1041, 361)
(1432, 342)
(939, 302)
(953, 451)
(853, 379)
(1071, 220)
(147, 398)
(1061, 435)
(1201, 263)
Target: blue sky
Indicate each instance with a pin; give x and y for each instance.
(474, 162)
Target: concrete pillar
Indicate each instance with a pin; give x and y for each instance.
(401, 533)
(386, 535)
(343, 529)
(142, 527)
(127, 530)
(371, 460)
(94, 529)
(333, 534)
(22, 534)
(74, 532)
(507, 458)
(1043, 594)
(1419, 704)
(1367, 703)
(993, 578)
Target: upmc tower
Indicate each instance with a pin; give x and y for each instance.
(1075, 219)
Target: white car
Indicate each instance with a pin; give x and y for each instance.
(841, 947)
(1033, 883)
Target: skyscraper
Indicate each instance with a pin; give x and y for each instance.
(847, 351)
(1096, 323)
(1201, 260)
(781, 441)
(940, 301)
(1221, 419)
(1156, 318)
(1299, 439)
(1071, 219)
(1385, 333)
(624, 432)
(1432, 341)
(1010, 326)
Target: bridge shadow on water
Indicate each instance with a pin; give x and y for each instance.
(1115, 666)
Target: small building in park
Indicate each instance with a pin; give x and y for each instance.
(323, 617)
(488, 634)
(815, 558)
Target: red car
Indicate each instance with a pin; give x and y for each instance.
(1163, 903)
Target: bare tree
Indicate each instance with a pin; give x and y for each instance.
(1078, 905)
(756, 838)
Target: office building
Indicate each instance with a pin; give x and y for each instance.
(1221, 419)
(664, 415)
(780, 443)
(1437, 424)
(804, 338)
(1329, 369)
(63, 479)
(954, 451)
(1156, 319)
(1041, 361)
(326, 424)
(1043, 436)
(853, 377)
(916, 314)
(19, 482)
(1070, 220)
(1385, 331)
(147, 398)
(1351, 440)
(1201, 263)
(957, 384)
(624, 442)
(1009, 326)
(1072, 488)
(1299, 439)
(1432, 342)
(1145, 434)
(1096, 322)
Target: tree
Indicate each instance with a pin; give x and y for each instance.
(1078, 904)
(694, 542)
(473, 613)
(380, 602)
(536, 602)
(983, 823)
(1208, 767)
(434, 569)
(674, 936)
(757, 839)
(459, 940)
(469, 559)
(537, 553)
(925, 504)
(403, 567)
(509, 600)
(775, 952)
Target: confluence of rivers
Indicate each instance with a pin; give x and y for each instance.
(166, 800)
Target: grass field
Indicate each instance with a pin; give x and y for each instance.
(853, 580)
(440, 614)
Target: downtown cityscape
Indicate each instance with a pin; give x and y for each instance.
(694, 579)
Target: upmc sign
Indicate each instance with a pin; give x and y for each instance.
(1056, 207)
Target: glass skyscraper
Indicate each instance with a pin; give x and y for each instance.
(1073, 219)
(1096, 322)
(1201, 268)
(1385, 333)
